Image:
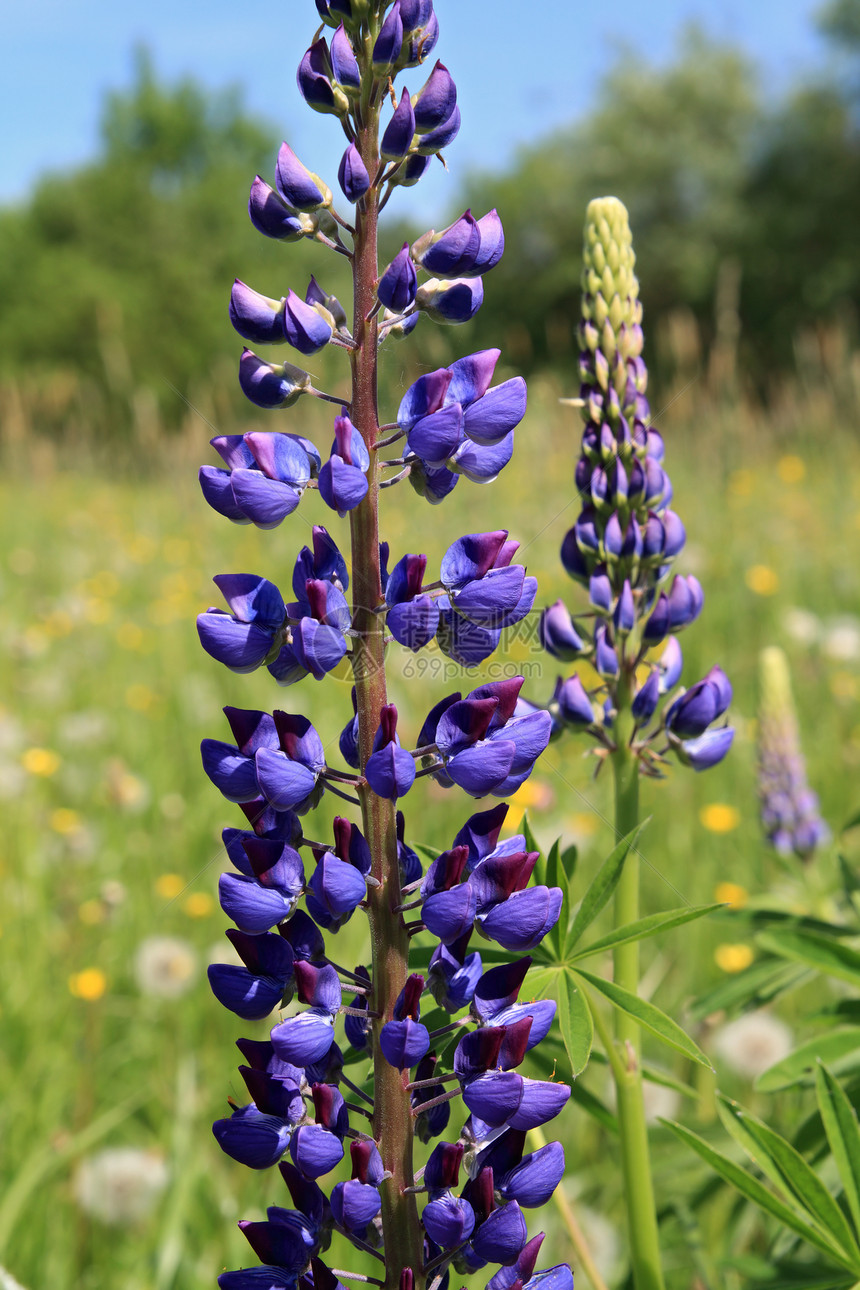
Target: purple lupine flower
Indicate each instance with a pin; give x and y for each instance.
(244, 638)
(454, 423)
(390, 769)
(342, 480)
(262, 982)
(404, 1041)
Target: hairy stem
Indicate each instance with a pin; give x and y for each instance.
(636, 1163)
(392, 1118)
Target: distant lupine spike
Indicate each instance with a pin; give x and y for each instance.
(289, 887)
(790, 813)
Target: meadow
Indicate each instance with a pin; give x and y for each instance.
(111, 841)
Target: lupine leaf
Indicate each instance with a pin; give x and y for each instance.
(814, 951)
(756, 985)
(644, 927)
(553, 878)
(755, 1191)
(790, 1173)
(799, 1065)
(577, 1028)
(648, 1016)
(603, 885)
(843, 1134)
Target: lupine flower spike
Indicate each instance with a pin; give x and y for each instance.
(356, 1067)
(789, 808)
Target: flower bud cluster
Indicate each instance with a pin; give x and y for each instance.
(287, 893)
(626, 538)
(790, 813)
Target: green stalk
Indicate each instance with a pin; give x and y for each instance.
(392, 1121)
(638, 1185)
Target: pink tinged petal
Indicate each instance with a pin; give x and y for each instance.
(492, 244)
(280, 457)
(471, 377)
(423, 397)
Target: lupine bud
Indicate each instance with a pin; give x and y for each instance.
(558, 634)
(344, 63)
(399, 132)
(275, 218)
(298, 186)
(398, 284)
(435, 140)
(316, 81)
(455, 301)
(435, 101)
(352, 175)
(271, 385)
(304, 326)
(255, 317)
(389, 42)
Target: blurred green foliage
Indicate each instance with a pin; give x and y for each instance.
(118, 272)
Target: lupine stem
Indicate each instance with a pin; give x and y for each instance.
(392, 1122)
(638, 1184)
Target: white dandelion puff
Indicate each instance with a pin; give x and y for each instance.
(164, 966)
(120, 1184)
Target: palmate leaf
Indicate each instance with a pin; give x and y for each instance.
(798, 1067)
(647, 1015)
(789, 1172)
(645, 927)
(814, 951)
(575, 1023)
(603, 886)
(840, 1125)
(756, 1191)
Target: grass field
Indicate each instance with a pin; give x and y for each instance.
(112, 832)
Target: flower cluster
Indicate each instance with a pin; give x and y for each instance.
(624, 543)
(414, 1040)
(789, 808)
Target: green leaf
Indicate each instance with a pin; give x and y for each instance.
(755, 1191)
(818, 952)
(852, 823)
(554, 878)
(843, 1134)
(644, 927)
(648, 1016)
(603, 885)
(789, 1172)
(798, 1066)
(575, 1023)
(531, 840)
(756, 985)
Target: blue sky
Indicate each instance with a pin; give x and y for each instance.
(517, 78)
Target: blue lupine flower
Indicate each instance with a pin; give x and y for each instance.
(307, 1037)
(343, 481)
(334, 891)
(404, 1041)
(243, 638)
(266, 477)
(263, 983)
(390, 769)
(448, 1220)
(260, 902)
(305, 327)
(413, 616)
(455, 300)
(288, 775)
(452, 976)
(430, 1123)
(790, 812)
